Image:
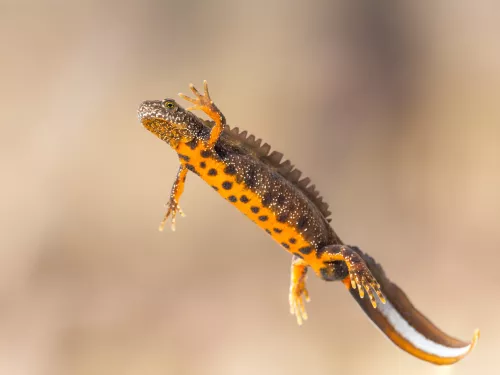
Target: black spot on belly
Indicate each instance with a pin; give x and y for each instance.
(268, 231)
(298, 255)
(192, 144)
(212, 172)
(255, 209)
(292, 240)
(184, 157)
(244, 199)
(285, 245)
(205, 153)
(227, 185)
(215, 187)
(230, 170)
(306, 250)
(277, 230)
(263, 218)
(320, 251)
(232, 198)
(203, 165)
(191, 168)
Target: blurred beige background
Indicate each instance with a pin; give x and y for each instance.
(392, 110)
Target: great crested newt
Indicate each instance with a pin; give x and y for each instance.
(272, 194)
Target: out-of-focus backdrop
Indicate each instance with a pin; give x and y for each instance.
(393, 111)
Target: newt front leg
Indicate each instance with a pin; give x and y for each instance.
(175, 195)
(206, 104)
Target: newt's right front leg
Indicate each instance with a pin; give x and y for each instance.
(175, 195)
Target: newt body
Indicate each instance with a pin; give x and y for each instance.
(271, 194)
(257, 188)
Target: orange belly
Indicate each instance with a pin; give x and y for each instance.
(248, 202)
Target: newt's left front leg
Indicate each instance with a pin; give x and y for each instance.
(207, 105)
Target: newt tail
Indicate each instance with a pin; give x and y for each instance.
(271, 193)
(407, 327)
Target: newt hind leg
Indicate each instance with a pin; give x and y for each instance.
(298, 290)
(175, 194)
(359, 276)
(204, 103)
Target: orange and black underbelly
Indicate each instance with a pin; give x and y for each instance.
(260, 193)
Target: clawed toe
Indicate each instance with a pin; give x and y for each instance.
(173, 210)
(298, 297)
(201, 100)
(298, 309)
(363, 280)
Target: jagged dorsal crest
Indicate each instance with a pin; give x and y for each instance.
(285, 168)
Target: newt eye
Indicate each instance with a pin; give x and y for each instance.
(169, 105)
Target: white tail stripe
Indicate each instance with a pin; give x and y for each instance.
(415, 338)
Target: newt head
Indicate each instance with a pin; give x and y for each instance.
(169, 121)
